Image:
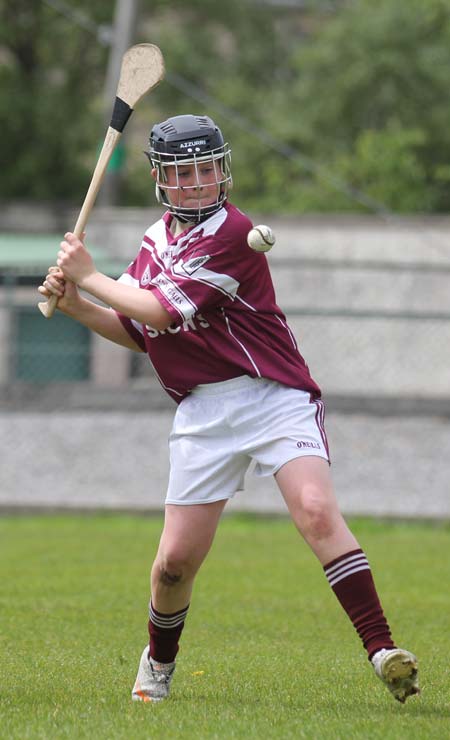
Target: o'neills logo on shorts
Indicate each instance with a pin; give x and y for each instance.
(314, 445)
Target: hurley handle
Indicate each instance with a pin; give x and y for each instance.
(47, 308)
(142, 69)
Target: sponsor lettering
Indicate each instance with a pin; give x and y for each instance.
(193, 324)
(313, 445)
(192, 265)
(160, 280)
(169, 290)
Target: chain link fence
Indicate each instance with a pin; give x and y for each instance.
(358, 352)
(374, 331)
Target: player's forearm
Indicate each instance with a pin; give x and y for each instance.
(102, 321)
(140, 305)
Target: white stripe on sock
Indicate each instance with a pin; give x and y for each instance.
(347, 567)
(335, 579)
(346, 561)
(167, 622)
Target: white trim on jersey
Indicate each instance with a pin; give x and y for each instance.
(157, 234)
(163, 385)
(240, 343)
(199, 231)
(137, 326)
(152, 248)
(222, 282)
(128, 279)
(176, 297)
(288, 331)
(214, 222)
(183, 243)
(238, 298)
(166, 387)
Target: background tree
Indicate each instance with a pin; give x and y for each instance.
(51, 75)
(370, 88)
(337, 107)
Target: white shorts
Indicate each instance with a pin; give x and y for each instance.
(220, 428)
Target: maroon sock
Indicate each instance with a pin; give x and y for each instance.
(351, 579)
(165, 631)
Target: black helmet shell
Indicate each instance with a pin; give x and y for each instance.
(185, 135)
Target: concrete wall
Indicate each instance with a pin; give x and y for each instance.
(381, 465)
(368, 299)
(370, 305)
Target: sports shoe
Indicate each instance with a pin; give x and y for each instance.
(153, 679)
(398, 670)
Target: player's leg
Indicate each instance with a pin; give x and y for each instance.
(306, 486)
(185, 541)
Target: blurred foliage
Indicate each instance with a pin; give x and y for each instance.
(50, 75)
(325, 107)
(372, 85)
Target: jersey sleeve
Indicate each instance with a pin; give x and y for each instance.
(130, 277)
(134, 329)
(207, 275)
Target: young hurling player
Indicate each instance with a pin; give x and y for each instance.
(201, 304)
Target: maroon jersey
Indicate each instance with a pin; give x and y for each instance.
(226, 322)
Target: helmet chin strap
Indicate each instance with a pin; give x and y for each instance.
(185, 220)
(187, 215)
(196, 217)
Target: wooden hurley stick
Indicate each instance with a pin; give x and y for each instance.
(142, 69)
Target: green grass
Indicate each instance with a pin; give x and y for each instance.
(266, 652)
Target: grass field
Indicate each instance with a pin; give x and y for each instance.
(266, 652)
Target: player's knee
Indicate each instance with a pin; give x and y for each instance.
(174, 568)
(170, 577)
(171, 572)
(318, 520)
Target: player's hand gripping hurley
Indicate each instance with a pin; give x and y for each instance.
(142, 69)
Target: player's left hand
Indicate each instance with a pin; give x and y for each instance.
(74, 259)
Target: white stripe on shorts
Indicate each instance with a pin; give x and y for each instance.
(320, 420)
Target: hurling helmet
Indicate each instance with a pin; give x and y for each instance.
(183, 140)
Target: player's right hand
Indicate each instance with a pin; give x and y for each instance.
(56, 284)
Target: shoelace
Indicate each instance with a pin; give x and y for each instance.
(161, 676)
